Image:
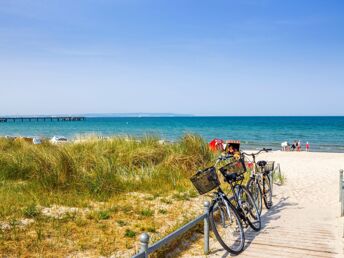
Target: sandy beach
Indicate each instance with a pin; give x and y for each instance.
(305, 219)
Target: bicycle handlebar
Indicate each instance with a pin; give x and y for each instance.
(223, 157)
(228, 156)
(220, 158)
(254, 154)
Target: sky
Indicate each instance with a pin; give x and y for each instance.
(244, 57)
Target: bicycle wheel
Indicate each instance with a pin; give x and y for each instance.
(267, 193)
(256, 193)
(249, 208)
(227, 226)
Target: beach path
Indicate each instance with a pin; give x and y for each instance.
(305, 219)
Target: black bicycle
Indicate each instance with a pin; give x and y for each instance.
(241, 198)
(224, 216)
(259, 183)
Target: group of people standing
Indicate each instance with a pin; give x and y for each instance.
(295, 146)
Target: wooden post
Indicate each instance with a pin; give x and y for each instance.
(340, 183)
(342, 198)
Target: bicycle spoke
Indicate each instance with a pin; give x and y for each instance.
(227, 227)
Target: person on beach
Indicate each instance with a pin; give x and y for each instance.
(284, 146)
(307, 146)
(293, 146)
(299, 145)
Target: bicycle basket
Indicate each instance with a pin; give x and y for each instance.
(237, 167)
(205, 180)
(269, 166)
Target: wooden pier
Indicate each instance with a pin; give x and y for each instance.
(42, 119)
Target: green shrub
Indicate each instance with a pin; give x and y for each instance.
(146, 212)
(31, 211)
(103, 215)
(121, 223)
(129, 233)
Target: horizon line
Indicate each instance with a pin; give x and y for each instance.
(142, 114)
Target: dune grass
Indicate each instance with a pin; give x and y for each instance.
(102, 168)
(117, 187)
(279, 177)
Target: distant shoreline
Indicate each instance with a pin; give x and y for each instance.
(162, 115)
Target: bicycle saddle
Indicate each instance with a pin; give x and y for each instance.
(261, 163)
(233, 177)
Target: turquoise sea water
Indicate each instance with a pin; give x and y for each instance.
(323, 133)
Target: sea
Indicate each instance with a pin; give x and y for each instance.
(325, 134)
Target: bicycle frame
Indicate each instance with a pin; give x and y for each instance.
(236, 197)
(257, 176)
(220, 197)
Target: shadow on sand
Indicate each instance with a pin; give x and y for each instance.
(266, 218)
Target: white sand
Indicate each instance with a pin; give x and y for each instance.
(305, 219)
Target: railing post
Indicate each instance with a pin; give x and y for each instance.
(206, 227)
(340, 183)
(272, 180)
(144, 241)
(342, 196)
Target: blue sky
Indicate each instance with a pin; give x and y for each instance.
(247, 57)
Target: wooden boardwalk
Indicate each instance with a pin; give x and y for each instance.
(304, 221)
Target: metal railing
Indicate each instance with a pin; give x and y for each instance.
(145, 249)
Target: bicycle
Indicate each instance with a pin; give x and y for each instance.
(224, 217)
(233, 174)
(259, 183)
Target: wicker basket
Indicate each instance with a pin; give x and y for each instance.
(237, 167)
(269, 166)
(205, 180)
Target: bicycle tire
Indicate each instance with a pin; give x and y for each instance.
(256, 193)
(226, 211)
(249, 208)
(267, 194)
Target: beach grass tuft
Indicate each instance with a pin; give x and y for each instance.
(279, 177)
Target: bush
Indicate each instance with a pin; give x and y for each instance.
(31, 211)
(103, 215)
(129, 233)
(146, 212)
